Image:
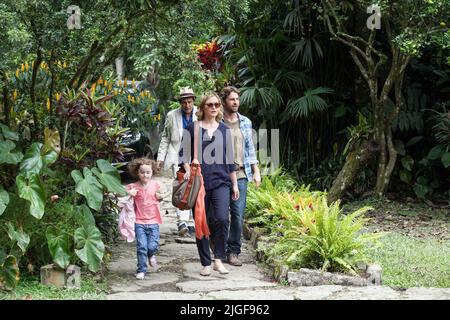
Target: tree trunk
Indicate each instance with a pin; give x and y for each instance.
(392, 160)
(53, 80)
(6, 109)
(96, 48)
(388, 154)
(368, 59)
(355, 161)
(77, 77)
(36, 65)
(382, 158)
(383, 185)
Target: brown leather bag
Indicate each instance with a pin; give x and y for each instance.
(185, 192)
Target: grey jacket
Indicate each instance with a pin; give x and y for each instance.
(171, 137)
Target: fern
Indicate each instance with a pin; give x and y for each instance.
(410, 117)
(310, 233)
(325, 240)
(441, 126)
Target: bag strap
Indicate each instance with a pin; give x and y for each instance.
(197, 141)
(194, 166)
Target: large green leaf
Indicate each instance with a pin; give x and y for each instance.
(35, 159)
(52, 141)
(435, 153)
(109, 177)
(87, 218)
(6, 156)
(89, 239)
(58, 244)
(421, 190)
(20, 237)
(405, 176)
(407, 163)
(8, 134)
(341, 110)
(9, 272)
(31, 189)
(399, 146)
(414, 140)
(4, 200)
(422, 180)
(445, 161)
(32, 161)
(89, 187)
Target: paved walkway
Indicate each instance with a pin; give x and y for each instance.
(178, 278)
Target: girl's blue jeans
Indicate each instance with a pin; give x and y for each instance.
(147, 242)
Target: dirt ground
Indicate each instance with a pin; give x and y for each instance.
(410, 217)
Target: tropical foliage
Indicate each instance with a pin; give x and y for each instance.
(33, 227)
(359, 111)
(309, 232)
(293, 78)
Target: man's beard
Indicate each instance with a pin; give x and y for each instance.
(233, 109)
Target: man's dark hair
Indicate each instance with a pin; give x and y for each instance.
(227, 91)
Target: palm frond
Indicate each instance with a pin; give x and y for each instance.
(226, 40)
(304, 49)
(293, 21)
(310, 103)
(265, 97)
(294, 81)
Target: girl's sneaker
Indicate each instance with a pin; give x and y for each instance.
(140, 276)
(182, 229)
(153, 263)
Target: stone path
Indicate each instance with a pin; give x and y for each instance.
(178, 278)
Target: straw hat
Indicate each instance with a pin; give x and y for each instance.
(186, 92)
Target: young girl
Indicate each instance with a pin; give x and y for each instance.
(146, 194)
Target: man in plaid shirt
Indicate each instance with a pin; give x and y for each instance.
(246, 166)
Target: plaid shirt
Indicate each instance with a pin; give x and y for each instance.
(245, 125)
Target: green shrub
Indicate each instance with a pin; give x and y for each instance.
(262, 197)
(61, 215)
(310, 232)
(327, 240)
(44, 216)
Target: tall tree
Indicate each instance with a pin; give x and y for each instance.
(381, 56)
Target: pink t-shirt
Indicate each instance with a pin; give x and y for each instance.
(146, 205)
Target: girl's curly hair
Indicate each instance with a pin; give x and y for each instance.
(135, 164)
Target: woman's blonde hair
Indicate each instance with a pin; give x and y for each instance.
(205, 97)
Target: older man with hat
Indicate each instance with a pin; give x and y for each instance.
(176, 121)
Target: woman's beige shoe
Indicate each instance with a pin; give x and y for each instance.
(218, 266)
(206, 271)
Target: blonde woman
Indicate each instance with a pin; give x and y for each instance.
(219, 176)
